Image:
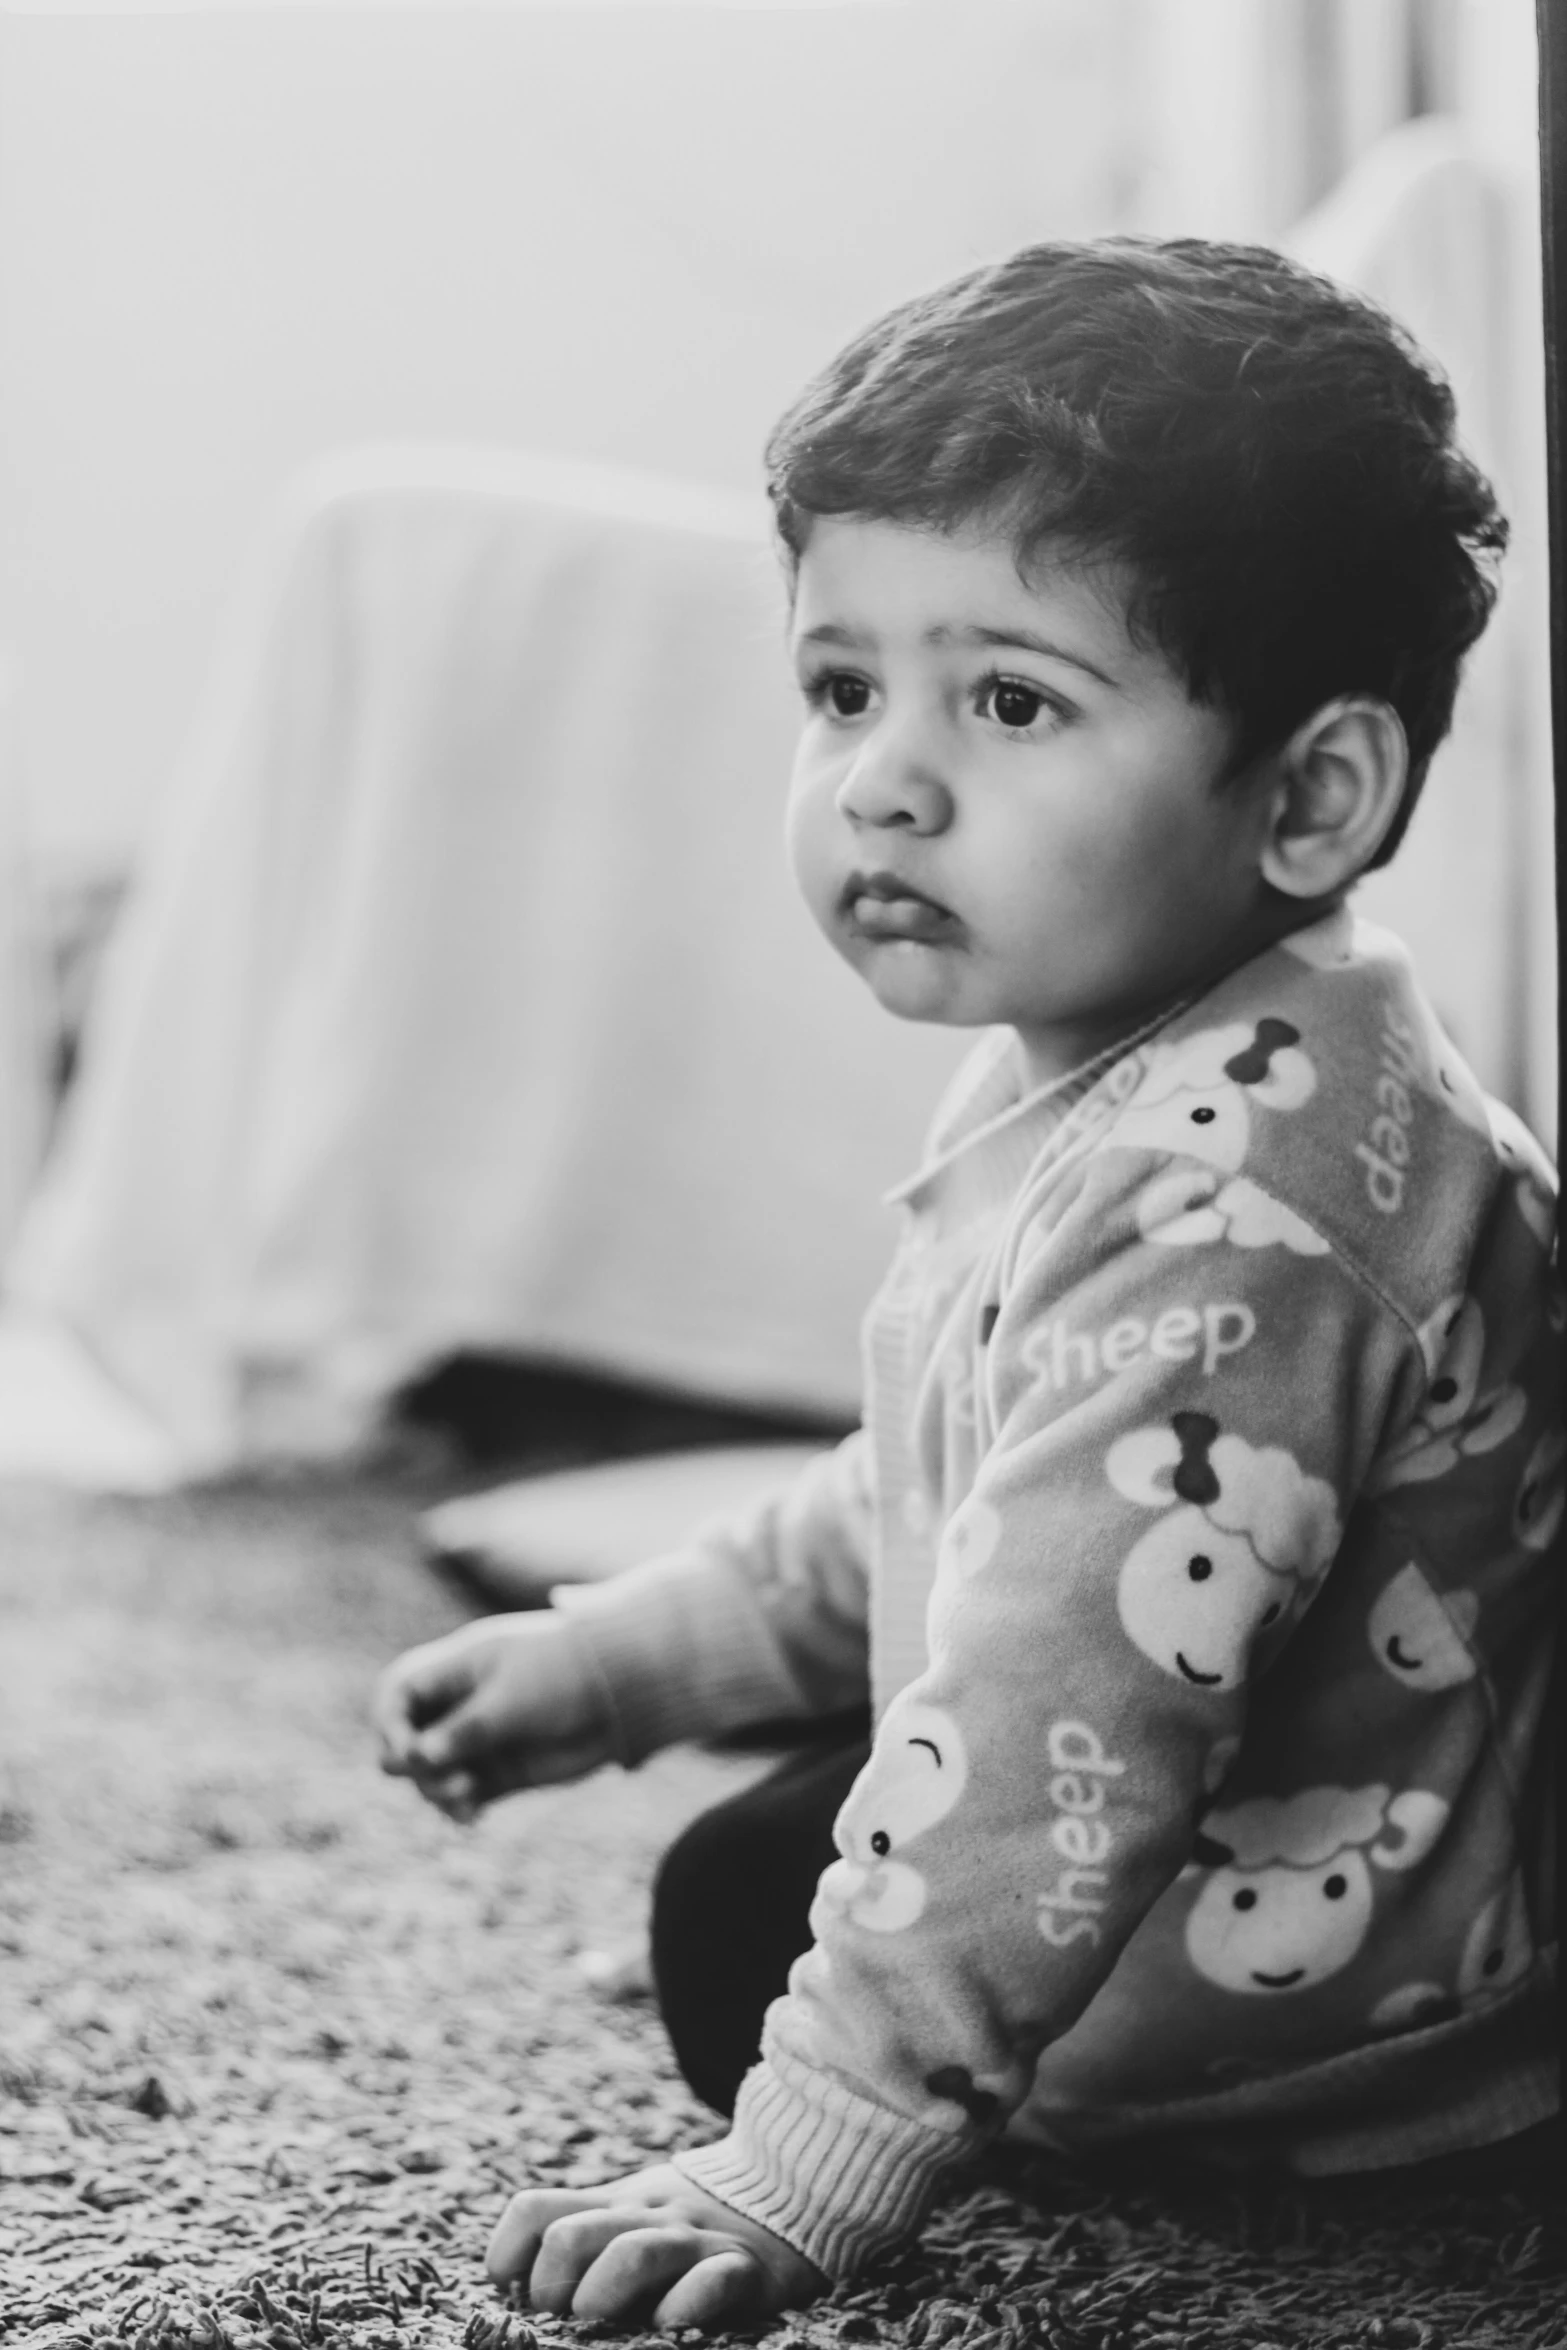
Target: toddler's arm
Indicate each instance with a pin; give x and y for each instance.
(761, 1617)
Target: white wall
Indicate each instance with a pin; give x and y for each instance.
(230, 240)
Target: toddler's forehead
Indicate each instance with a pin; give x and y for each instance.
(976, 576)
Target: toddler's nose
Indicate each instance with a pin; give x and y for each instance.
(891, 783)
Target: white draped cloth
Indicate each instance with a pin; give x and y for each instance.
(463, 999)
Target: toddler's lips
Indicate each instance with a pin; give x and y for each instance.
(881, 908)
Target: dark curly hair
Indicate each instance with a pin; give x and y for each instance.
(1269, 457)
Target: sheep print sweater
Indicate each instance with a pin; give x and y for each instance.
(1199, 1553)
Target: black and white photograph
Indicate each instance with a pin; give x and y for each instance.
(783, 1372)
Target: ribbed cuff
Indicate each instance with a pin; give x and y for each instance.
(682, 1649)
(836, 2177)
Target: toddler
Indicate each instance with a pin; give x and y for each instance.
(1196, 1561)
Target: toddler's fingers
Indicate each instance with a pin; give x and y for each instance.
(393, 1728)
(519, 2231)
(724, 2285)
(454, 1793)
(424, 1683)
(407, 1752)
(638, 2266)
(571, 2244)
(396, 1712)
(445, 1746)
(499, 1762)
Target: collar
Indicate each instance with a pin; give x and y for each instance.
(991, 1128)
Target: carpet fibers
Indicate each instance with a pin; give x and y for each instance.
(276, 2041)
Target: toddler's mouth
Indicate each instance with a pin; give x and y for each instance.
(881, 905)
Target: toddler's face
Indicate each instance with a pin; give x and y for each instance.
(1003, 809)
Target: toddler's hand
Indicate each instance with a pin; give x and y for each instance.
(505, 1703)
(653, 2245)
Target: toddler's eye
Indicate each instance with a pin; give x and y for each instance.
(1013, 704)
(839, 692)
(1016, 706)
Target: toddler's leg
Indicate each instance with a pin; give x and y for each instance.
(730, 1904)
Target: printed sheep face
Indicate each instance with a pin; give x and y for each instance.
(1243, 1538)
(1290, 1899)
(1420, 1637)
(1457, 1417)
(1197, 1097)
(1195, 1599)
(1280, 1929)
(916, 1773)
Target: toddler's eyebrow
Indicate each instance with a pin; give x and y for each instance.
(832, 632)
(1018, 640)
(1021, 640)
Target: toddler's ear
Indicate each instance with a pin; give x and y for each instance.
(1340, 778)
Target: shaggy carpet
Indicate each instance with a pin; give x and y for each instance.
(276, 2041)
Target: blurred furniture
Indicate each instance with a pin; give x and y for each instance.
(463, 1000)
(512, 1545)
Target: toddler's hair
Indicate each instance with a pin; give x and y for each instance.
(1268, 457)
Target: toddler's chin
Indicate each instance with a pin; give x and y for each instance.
(914, 982)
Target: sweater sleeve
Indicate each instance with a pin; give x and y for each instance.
(761, 1617)
(1170, 1436)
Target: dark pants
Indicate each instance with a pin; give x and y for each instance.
(730, 1904)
